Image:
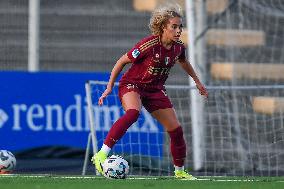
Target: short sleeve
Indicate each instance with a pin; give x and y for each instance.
(135, 54)
(182, 55)
(139, 52)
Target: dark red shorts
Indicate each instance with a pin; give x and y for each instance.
(152, 99)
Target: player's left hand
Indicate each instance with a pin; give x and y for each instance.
(202, 90)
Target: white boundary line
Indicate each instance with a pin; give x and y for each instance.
(239, 180)
(213, 179)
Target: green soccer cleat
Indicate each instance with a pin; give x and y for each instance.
(181, 174)
(98, 159)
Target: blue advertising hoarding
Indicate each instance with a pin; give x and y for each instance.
(50, 109)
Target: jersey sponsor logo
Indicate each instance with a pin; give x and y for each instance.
(155, 60)
(158, 71)
(135, 53)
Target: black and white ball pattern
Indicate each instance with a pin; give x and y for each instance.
(115, 167)
(7, 162)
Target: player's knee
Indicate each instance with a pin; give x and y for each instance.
(133, 114)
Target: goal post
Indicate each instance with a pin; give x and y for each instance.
(240, 137)
(241, 46)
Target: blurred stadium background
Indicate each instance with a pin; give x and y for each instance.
(236, 43)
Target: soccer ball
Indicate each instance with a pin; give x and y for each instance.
(7, 162)
(115, 167)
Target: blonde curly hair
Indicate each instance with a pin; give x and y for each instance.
(161, 15)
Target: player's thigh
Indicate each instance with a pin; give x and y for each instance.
(167, 117)
(157, 100)
(131, 100)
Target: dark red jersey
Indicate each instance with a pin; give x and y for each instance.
(151, 62)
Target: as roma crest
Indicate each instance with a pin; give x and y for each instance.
(167, 60)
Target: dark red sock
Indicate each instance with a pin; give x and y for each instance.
(120, 127)
(178, 146)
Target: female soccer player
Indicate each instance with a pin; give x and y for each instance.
(143, 84)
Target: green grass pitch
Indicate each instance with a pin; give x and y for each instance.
(134, 182)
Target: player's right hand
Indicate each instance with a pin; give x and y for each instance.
(104, 95)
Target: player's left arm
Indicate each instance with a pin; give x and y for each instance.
(186, 66)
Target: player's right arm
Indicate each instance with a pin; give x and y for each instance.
(114, 73)
(133, 56)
